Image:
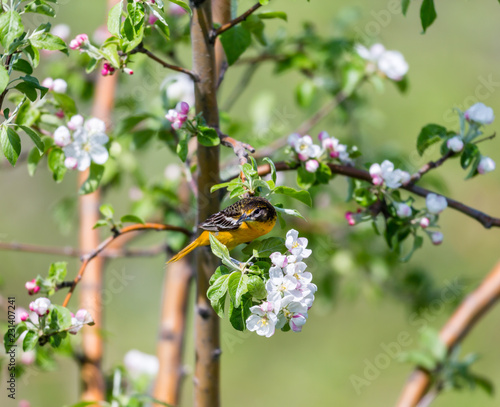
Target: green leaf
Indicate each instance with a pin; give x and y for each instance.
(241, 289)
(59, 318)
(417, 244)
(41, 7)
(419, 358)
(110, 53)
(65, 102)
(236, 192)
(264, 2)
(219, 186)
(182, 147)
(115, 19)
(183, 5)
(27, 89)
(302, 196)
(432, 342)
(128, 123)
(58, 271)
(49, 42)
(273, 14)
(131, 219)
(4, 78)
(218, 288)
(305, 179)
(273, 168)
(220, 251)
(264, 248)
(208, 136)
(93, 180)
(238, 316)
(30, 341)
(351, 76)
(24, 66)
(305, 93)
(430, 134)
(427, 13)
(232, 285)
(34, 158)
(11, 144)
(256, 287)
(404, 6)
(11, 27)
(470, 152)
(33, 135)
(235, 41)
(107, 211)
(56, 164)
(157, 13)
(291, 212)
(100, 223)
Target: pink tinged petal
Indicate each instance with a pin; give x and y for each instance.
(99, 154)
(292, 139)
(424, 223)
(323, 135)
(48, 83)
(312, 166)
(437, 238)
(71, 163)
(75, 122)
(182, 108)
(171, 115)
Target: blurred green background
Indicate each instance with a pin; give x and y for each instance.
(447, 64)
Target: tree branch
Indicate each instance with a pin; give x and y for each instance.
(86, 259)
(486, 220)
(239, 148)
(215, 33)
(461, 322)
(73, 252)
(140, 49)
(427, 167)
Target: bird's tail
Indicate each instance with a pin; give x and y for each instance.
(189, 248)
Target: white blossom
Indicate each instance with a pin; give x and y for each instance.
(436, 203)
(278, 259)
(403, 210)
(393, 65)
(297, 245)
(75, 122)
(437, 237)
(40, 306)
(59, 86)
(480, 113)
(62, 136)
(293, 138)
(486, 164)
(306, 149)
(81, 318)
(180, 87)
(262, 322)
(385, 172)
(455, 144)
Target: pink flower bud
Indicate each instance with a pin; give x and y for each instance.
(302, 157)
(377, 180)
(128, 71)
(32, 287)
(182, 108)
(486, 164)
(48, 83)
(71, 163)
(24, 316)
(334, 154)
(104, 72)
(152, 19)
(424, 222)
(350, 218)
(312, 166)
(323, 135)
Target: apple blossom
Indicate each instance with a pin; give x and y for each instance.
(323, 135)
(24, 316)
(176, 10)
(88, 145)
(48, 83)
(180, 87)
(278, 259)
(436, 203)
(81, 318)
(370, 54)
(403, 210)
(455, 144)
(306, 149)
(75, 122)
(350, 218)
(40, 306)
(178, 116)
(312, 166)
(293, 138)
(78, 41)
(62, 136)
(480, 113)
(62, 31)
(486, 164)
(28, 358)
(393, 65)
(32, 287)
(262, 322)
(297, 245)
(436, 237)
(424, 222)
(59, 86)
(71, 163)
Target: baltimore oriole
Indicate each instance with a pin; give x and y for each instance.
(242, 222)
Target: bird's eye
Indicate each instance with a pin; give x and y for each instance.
(257, 212)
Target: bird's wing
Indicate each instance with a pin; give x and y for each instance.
(228, 219)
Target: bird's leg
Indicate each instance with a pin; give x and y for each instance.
(240, 264)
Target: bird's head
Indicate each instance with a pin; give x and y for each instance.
(257, 209)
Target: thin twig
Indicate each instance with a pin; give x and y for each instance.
(486, 138)
(486, 220)
(73, 252)
(429, 166)
(140, 49)
(88, 257)
(470, 311)
(214, 33)
(240, 149)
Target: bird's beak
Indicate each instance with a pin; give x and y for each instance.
(243, 218)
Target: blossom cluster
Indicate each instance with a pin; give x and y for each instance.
(178, 116)
(79, 42)
(385, 173)
(390, 63)
(311, 153)
(55, 85)
(290, 292)
(86, 144)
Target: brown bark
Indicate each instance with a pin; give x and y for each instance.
(171, 336)
(221, 10)
(91, 289)
(462, 320)
(207, 347)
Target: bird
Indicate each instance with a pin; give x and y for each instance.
(241, 222)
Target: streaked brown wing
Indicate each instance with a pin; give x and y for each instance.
(226, 219)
